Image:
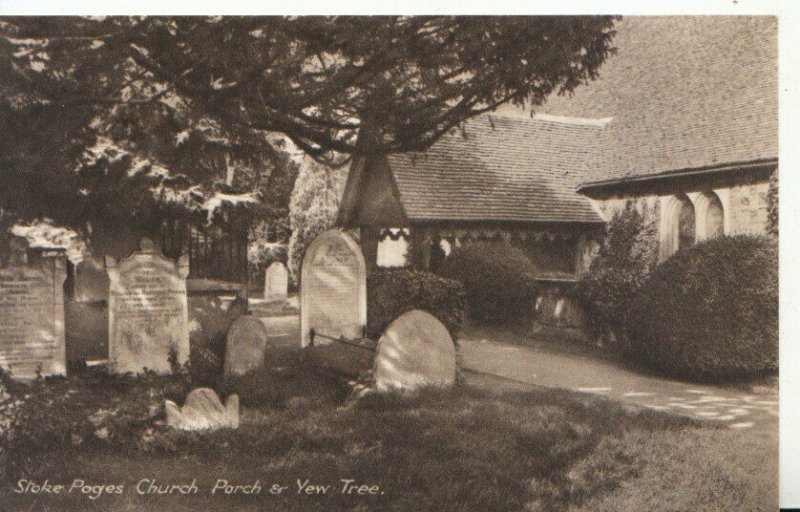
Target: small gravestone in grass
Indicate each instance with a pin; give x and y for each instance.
(203, 410)
(276, 282)
(32, 312)
(415, 351)
(245, 346)
(147, 311)
(333, 289)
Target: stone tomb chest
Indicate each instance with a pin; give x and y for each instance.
(333, 289)
(32, 313)
(148, 313)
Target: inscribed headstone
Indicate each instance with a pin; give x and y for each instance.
(415, 350)
(333, 289)
(148, 313)
(276, 281)
(245, 346)
(32, 313)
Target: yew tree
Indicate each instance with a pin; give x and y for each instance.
(118, 116)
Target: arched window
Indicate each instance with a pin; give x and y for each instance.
(714, 220)
(710, 216)
(685, 223)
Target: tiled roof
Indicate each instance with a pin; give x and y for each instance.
(500, 169)
(684, 92)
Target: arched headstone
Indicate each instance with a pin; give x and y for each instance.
(415, 350)
(245, 346)
(32, 313)
(148, 313)
(276, 281)
(333, 288)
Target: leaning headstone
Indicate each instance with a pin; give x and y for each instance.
(333, 289)
(203, 410)
(91, 280)
(276, 282)
(245, 346)
(32, 313)
(415, 350)
(148, 312)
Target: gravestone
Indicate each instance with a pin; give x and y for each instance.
(276, 282)
(32, 313)
(333, 289)
(245, 345)
(91, 280)
(203, 410)
(415, 350)
(148, 312)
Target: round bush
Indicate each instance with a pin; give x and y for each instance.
(499, 280)
(711, 312)
(393, 291)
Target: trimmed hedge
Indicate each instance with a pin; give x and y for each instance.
(710, 312)
(622, 265)
(499, 280)
(393, 291)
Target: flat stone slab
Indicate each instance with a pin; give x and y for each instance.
(415, 350)
(203, 410)
(245, 346)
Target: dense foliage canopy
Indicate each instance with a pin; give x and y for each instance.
(169, 107)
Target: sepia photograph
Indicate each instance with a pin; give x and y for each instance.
(439, 262)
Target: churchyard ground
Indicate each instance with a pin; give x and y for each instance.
(487, 444)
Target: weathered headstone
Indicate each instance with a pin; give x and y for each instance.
(203, 410)
(148, 313)
(91, 280)
(415, 350)
(333, 289)
(32, 313)
(276, 282)
(245, 346)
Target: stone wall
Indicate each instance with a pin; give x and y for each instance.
(743, 200)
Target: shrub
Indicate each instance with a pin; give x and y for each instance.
(772, 204)
(710, 312)
(499, 280)
(622, 265)
(393, 291)
(93, 411)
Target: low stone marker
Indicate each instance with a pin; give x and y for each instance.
(147, 311)
(415, 350)
(276, 282)
(32, 313)
(333, 289)
(245, 346)
(203, 410)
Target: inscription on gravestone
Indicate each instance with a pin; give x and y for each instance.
(333, 288)
(148, 311)
(32, 313)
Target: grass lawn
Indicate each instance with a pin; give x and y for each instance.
(465, 449)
